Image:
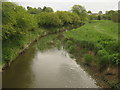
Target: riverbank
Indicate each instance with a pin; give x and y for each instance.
(27, 41)
(95, 46)
(22, 27)
(45, 64)
(79, 43)
(105, 78)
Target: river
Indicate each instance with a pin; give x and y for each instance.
(49, 68)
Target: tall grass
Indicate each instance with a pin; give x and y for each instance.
(100, 37)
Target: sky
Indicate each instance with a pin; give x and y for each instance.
(65, 5)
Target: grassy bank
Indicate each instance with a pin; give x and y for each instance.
(15, 45)
(12, 47)
(100, 37)
(20, 26)
(97, 44)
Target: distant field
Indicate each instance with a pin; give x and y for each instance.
(100, 36)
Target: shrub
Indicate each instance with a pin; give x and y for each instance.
(48, 19)
(115, 59)
(88, 58)
(103, 60)
(16, 20)
(69, 42)
(98, 47)
(102, 52)
(64, 17)
(8, 54)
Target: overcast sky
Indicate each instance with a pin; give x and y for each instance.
(93, 5)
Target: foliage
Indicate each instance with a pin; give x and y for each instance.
(81, 11)
(100, 37)
(109, 15)
(18, 29)
(47, 9)
(89, 12)
(48, 19)
(39, 10)
(16, 21)
(68, 18)
(64, 17)
(100, 13)
(33, 10)
(88, 58)
(20, 26)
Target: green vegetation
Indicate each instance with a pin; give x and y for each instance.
(95, 45)
(101, 37)
(97, 41)
(109, 15)
(88, 58)
(20, 26)
(79, 10)
(17, 30)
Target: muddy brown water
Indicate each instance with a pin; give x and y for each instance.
(51, 68)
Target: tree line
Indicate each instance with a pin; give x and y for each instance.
(21, 26)
(19, 21)
(16, 20)
(113, 15)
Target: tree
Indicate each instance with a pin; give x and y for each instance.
(100, 13)
(33, 10)
(29, 8)
(99, 17)
(48, 19)
(110, 14)
(64, 17)
(89, 12)
(16, 21)
(40, 9)
(47, 9)
(81, 11)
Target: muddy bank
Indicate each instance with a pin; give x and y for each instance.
(106, 77)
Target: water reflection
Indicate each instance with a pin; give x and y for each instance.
(19, 75)
(45, 66)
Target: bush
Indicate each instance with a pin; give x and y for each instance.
(16, 20)
(48, 19)
(8, 54)
(102, 52)
(64, 17)
(88, 58)
(104, 60)
(69, 42)
(98, 47)
(115, 59)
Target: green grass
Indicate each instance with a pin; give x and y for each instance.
(93, 31)
(88, 58)
(100, 37)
